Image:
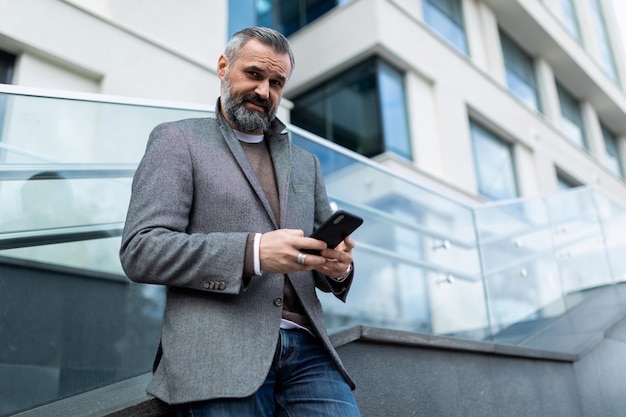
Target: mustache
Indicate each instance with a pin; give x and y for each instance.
(259, 101)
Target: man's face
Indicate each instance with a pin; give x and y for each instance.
(252, 86)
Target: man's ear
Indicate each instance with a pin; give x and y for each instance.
(222, 65)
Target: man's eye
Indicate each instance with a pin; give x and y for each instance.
(253, 74)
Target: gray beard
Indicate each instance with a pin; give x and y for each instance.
(245, 120)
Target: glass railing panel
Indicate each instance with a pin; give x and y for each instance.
(54, 218)
(579, 241)
(416, 250)
(613, 219)
(80, 131)
(72, 320)
(520, 273)
(424, 262)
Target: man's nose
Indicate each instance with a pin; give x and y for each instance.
(263, 89)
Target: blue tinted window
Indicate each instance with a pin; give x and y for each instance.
(446, 18)
(241, 14)
(493, 158)
(520, 72)
(572, 122)
(612, 151)
(393, 108)
(571, 18)
(286, 16)
(608, 60)
(7, 63)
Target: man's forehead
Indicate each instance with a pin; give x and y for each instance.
(256, 53)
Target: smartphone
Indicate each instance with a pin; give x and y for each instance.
(335, 229)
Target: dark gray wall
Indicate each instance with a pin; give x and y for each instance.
(436, 380)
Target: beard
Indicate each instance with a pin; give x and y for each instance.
(246, 120)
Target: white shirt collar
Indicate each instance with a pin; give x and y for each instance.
(244, 137)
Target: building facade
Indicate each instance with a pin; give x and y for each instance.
(480, 99)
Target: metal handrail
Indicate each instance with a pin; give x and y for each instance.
(55, 235)
(20, 172)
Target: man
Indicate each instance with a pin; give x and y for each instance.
(219, 212)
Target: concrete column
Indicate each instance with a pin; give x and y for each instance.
(547, 91)
(474, 34)
(455, 138)
(423, 119)
(525, 171)
(554, 6)
(411, 7)
(545, 169)
(491, 54)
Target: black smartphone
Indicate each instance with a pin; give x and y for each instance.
(335, 229)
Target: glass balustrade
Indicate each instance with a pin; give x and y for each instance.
(424, 263)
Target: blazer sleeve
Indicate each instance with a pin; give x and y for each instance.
(156, 248)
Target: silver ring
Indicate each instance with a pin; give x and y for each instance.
(301, 258)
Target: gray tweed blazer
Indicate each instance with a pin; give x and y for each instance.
(195, 198)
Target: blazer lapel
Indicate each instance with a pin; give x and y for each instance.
(280, 149)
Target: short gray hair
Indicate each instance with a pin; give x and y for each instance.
(270, 37)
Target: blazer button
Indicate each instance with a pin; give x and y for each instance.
(206, 284)
(222, 285)
(278, 302)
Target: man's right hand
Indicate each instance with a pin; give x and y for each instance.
(279, 250)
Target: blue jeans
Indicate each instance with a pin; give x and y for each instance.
(302, 382)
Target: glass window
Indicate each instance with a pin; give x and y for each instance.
(393, 110)
(7, 63)
(608, 60)
(446, 18)
(565, 182)
(612, 151)
(571, 18)
(242, 14)
(493, 158)
(286, 16)
(362, 109)
(520, 72)
(572, 122)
